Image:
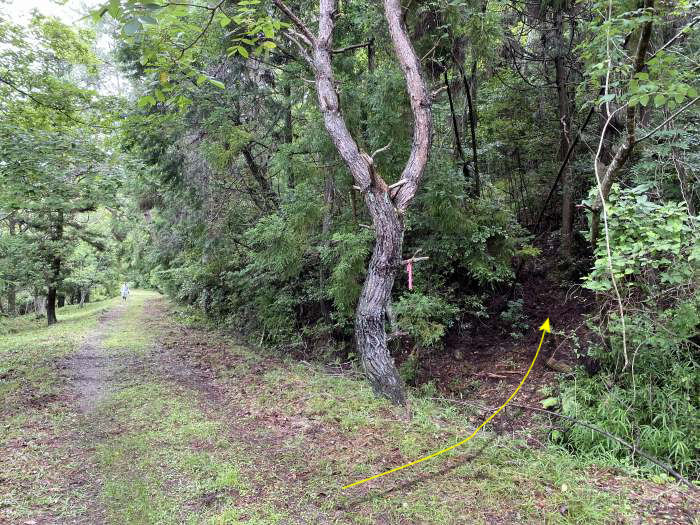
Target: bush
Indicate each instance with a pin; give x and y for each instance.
(652, 401)
(424, 317)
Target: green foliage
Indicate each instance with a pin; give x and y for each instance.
(648, 390)
(424, 317)
(652, 243)
(467, 240)
(58, 176)
(514, 316)
(346, 255)
(654, 405)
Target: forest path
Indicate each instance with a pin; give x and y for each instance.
(159, 420)
(89, 370)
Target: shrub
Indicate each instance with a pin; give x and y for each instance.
(424, 317)
(652, 401)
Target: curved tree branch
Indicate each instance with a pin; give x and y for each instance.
(420, 104)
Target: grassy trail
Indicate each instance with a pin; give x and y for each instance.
(124, 414)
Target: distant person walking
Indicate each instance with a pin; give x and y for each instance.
(125, 291)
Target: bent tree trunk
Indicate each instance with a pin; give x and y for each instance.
(608, 174)
(386, 205)
(370, 333)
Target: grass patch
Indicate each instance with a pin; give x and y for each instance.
(490, 478)
(29, 351)
(201, 430)
(130, 334)
(167, 462)
(37, 424)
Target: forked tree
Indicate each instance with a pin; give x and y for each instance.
(387, 204)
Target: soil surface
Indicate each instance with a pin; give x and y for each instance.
(90, 369)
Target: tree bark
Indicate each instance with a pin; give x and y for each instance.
(385, 207)
(472, 130)
(470, 117)
(623, 152)
(564, 106)
(255, 170)
(455, 130)
(289, 128)
(83, 294)
(55, 270)
(51, 306)
(11, 289)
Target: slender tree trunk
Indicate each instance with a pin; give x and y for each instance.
(52, 294)
(608, 173)
(83, 294)
(472, 130)
(11, 289)
(469, 87)
(683, 179)
(55, 271)
(328, 193)
(51, 306)
(289, 128)
(455, 129)
(564, 106)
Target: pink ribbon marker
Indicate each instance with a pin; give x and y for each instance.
(409, 269)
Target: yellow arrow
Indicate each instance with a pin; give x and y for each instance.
(545, 330)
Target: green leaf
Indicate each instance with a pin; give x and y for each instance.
(201, 79)
(644, 100)
(224, 20)
(216, 83)
(550, 402)
(659, 100)
(146, 101)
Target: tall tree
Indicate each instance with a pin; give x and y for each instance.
(387, 205)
